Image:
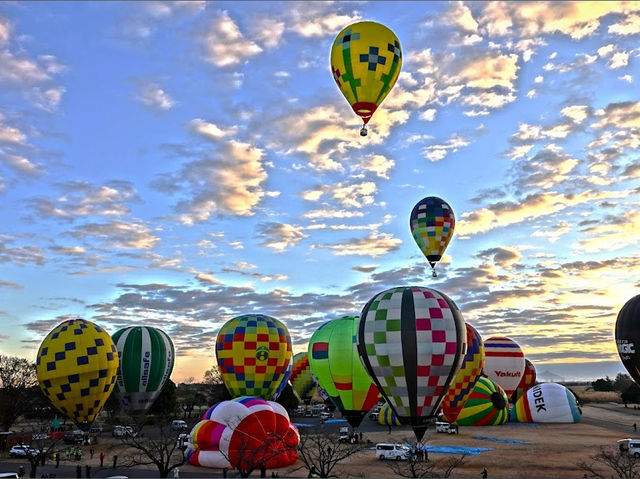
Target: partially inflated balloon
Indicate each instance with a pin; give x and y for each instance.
(527, 382)
(503, 363)
(412, 341)
(548, 403)
(253, 353)
(146, 361)
(334, 361)
(76, 367)
(432, 223)
(466, 377)
(247, 432)
(387, 417)
(487, 405)
(302, 380)
(628, 337)
(365, 62)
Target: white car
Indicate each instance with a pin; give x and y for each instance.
(122, 431)
(23, 451)
(179, 425)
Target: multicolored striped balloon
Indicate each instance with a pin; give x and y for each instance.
(253, 353)
(527, 382)
(503, 363)
(412, 341)
(387, 417)
(334, 362)
(547, 403)
(467, 376)
(432, 223)
(146, 361)
(487, 405)
(303, 382)
(242, 433)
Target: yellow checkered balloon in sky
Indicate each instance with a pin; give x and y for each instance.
(76, 365)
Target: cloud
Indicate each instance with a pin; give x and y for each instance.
(610, 234)
(377, 164)
(577, 113)
(280, 236)
(5, 31)
(117, 234)
(268, 31)
(152, 96)
(503, 256)
(619, 115)
(491, 71)
(225, 45)
(211, 131)
(376, 244)
(20, 255)
(439, 151)
(21, 165)
(317, 20)
(10, 284)
(629, 25)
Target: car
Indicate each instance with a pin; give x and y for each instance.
(446, 427)
(326, 415)
(74, 437)
(399, 452)
(630, 446)
(374, 416)
(22, 450)
(179, 425)
(123, 431)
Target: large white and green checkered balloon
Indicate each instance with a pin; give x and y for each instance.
(412, 341)
(146, 362)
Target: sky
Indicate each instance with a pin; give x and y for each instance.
(179, 164)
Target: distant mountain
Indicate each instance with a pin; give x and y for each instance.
(548, 377)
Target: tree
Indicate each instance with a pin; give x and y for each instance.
(166, 403)
(321, 451)
(601, 384)
(214, 387)
(631, 394)
(415, 467)
(162, 451)
(624, 465)
(622, 382)
(17, 375)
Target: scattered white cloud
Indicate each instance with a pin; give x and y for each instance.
(153, 96)
(376, 244)
(280, 236)
(225, 45)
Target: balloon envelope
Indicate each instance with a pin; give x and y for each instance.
(253, 352)
(244, 432)
(628, 337)
(432, 223)
(146, 362)
(334, 362)
(302, 380)
(547, 402)
(503, 363)
(487, 405)
(527, 382)
(387, 417)
(76, 368)
(467, 376)
(412, 341)
(365, 62)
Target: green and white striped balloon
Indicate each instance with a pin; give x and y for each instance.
(146, 361)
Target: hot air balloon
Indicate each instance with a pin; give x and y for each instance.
(628, 337)
(253, 353)
(334, 362)
(387, 417)
(466, 377)
(432, 223)
(244, 433)
(527, 382)
(548, 403)
(146, 361)
(487, 405)
(301, 379)
(503, 363)
(365, 62)
(76, 368)
(412, 341)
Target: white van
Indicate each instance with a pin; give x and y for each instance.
(446, 427)
(399, 452)
(630, 446)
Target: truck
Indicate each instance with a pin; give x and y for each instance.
(446, 427)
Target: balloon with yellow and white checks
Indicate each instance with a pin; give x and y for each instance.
(76, 366)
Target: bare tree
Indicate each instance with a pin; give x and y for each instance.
(418, 464)
(19, 384)
(162, 451)
(624, 465)
(321, 451)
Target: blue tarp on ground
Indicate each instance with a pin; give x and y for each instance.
(470, 451)
(303, 424)
(498, 439)
(335, 421)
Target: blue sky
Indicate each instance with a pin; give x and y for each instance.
(178, 164)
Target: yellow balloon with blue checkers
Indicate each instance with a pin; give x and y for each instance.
(76, 367)
(366, 59)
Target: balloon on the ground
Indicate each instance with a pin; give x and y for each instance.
(285, 381)
(244, 432)
(146, 362)
(76, 368)
(253, 353)
(334, 362)
(467, 376)
(628, 337)
(412, 341)
(301, 379)
(503, 363)
(527, 382)
(547, 403)
(487, 405)
(365, 62)
(432, 223)
(387, 417)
